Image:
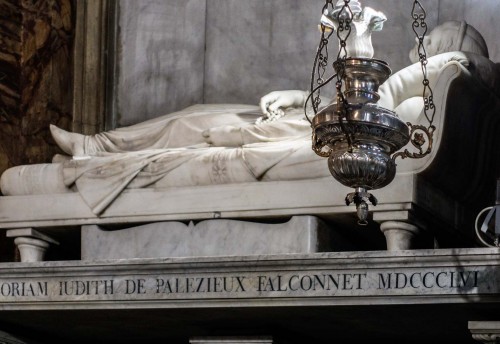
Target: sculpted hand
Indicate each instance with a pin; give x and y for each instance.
(273, 103)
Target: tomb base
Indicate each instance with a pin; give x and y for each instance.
(218, 237)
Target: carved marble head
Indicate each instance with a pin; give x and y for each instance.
(452, 36)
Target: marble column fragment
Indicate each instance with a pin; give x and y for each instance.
(31, 243)
(399, 235)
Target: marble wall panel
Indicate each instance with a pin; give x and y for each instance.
(35, 78)
(251, 47)
(483, 15)
(254, 47)
(160, 59)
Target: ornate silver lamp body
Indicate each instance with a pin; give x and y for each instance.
(356, 134)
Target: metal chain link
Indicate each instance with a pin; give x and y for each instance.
(419, 27)
(319, 67)
(343, 32)
(321, 62)
(344, 26)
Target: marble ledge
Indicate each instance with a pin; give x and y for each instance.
(303, 280)
(354, 259)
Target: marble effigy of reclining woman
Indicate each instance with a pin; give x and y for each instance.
(235, 125)
(228, 143)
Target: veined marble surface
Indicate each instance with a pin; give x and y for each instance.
(301, 234)
(451, 276)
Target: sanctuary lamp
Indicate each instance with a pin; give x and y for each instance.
(360, 138)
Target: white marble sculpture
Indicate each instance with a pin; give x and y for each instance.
(234, 125)
(215, 161)
(140, 155)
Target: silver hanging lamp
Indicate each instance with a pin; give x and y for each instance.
(359, 137)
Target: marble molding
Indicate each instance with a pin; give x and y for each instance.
(301, 234)
(328, 279)
(487, 332)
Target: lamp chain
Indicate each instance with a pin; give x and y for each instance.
(419, 27)
(319, 66)
(343, 32)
